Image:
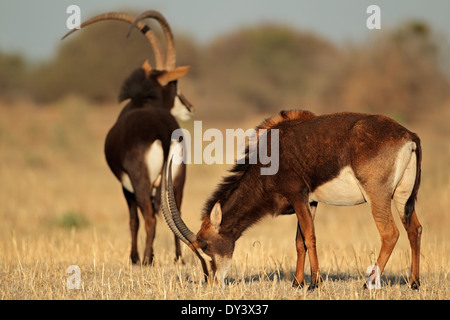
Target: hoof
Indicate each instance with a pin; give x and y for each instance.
(297, 284)
(148, 261)
(415, 285)
(135, 259)
(315, 283)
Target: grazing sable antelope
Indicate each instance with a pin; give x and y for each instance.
(338, 159)
(139, 142)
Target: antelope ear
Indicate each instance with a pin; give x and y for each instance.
(216, 216)
(147, 68)
(172, 75)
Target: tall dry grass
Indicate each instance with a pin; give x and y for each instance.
(60, 206)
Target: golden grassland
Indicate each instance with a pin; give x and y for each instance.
(60, 206)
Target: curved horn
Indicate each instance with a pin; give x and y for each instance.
(141, 26)
(170, 210)
(171, 54)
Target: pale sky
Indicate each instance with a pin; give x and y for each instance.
(34, 27)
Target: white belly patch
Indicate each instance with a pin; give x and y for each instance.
(343, 190)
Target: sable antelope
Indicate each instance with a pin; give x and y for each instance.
(139, 142)
(338, 159)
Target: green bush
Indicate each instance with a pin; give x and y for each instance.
(71, 219)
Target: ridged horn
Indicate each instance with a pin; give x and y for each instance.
(170, 210)
(141, 26)
(171, 56)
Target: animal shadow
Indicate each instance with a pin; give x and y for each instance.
(279, 275)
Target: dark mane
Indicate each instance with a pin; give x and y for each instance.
(283, 116)
(226, 187)
(139, 88)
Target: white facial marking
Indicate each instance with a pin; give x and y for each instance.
(204, 255)
(180, 111)
(343, 190)
(223, 265)
(208, 261)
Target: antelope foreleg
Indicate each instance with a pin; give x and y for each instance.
(299, 280)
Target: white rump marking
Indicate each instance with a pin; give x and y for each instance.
(126, 183)
(343, 190)
(402, 162)
(405, 176)
(154, 159)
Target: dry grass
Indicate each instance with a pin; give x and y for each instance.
(60, 206)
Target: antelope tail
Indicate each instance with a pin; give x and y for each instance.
(410, 204)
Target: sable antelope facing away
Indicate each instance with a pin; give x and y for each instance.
(338, 159)
(139, 142)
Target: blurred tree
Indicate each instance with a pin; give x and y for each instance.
(263, 68)
(13, 75)
(395, 74)
(260, 69)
